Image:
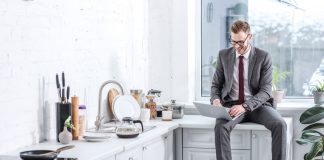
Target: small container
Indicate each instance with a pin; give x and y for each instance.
(151, 105)
(82, 119)
(167, 114)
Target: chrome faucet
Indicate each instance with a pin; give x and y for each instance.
(99, 118)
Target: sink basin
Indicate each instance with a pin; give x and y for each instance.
(111, 128)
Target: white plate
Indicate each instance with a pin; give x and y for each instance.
(95, 137)
(126, 106)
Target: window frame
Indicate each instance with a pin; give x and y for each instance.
(197, 37)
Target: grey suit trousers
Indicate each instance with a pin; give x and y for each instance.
(264, 115)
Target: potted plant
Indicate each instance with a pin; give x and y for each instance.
(312, 133)
(65, 137)
(277, 76)
(318, 92)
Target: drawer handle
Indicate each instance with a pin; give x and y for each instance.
(130, 158)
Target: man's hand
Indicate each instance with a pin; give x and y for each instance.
(236, 110)
(217, 103)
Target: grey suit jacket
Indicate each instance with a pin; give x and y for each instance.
(259, 77)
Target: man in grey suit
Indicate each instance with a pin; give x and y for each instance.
(242, 82)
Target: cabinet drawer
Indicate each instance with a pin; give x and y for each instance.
(205, 138)
(132, 154)
(210, 154)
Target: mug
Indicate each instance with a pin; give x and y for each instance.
(145, 114)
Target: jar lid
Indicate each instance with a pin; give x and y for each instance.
(82, 107)
(173, 104)
(136, 91)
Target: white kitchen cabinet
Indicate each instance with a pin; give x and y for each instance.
(154, 150)
(160, 148)
(261, 145)
(132, 154)
(198, 154)
(169, 145)
(205, 138)
(209, 154)
(251, 142)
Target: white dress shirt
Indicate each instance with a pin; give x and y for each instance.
(234, 93)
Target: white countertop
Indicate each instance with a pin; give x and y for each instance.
(96, 150)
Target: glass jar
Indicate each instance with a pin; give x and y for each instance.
(82, 119)
(150, 104)
(137, 94)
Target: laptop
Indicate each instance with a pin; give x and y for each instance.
(214, 112)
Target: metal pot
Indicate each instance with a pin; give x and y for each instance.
(177, 109)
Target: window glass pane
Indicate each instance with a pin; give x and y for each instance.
(293, 35)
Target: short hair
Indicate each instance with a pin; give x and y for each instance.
(240, 25)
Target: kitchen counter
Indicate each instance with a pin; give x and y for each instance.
(98, 150)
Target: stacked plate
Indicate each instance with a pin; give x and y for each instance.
(126, 106)
(95, 137)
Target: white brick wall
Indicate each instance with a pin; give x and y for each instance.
(91, 40)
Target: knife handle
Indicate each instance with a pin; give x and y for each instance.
(63, 80)
(67, 93)
(57, 81)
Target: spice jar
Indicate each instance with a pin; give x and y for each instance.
(151, 105)
(82, 119)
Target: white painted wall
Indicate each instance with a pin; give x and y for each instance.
(91, 40)
(168, 50)
(142, 44)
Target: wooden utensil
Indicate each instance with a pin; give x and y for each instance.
(112, 94)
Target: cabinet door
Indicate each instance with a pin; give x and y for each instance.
(210, 154)
(261, 145)
(132, 154)
(199, 154)
(241, 154)
(154, 150)
(169, 145)
(205, 138)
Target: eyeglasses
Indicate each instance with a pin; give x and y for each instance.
(240, 43)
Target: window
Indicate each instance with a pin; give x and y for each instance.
(293, 35)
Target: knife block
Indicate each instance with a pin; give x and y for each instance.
(63, 111)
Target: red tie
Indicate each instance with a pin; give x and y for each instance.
(241, 80)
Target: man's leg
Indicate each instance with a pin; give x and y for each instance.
(223, 129)
(272, 120)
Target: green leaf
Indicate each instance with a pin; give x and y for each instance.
(312, 115)
(316, 148)
(314, 126)
(310, 133)
(303, 141)
(319, 87)
(277, 76)
(319, 153)
(68, 123)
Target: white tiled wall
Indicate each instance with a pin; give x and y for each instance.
(90, 40)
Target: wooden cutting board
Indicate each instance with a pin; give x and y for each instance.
(112, 94)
